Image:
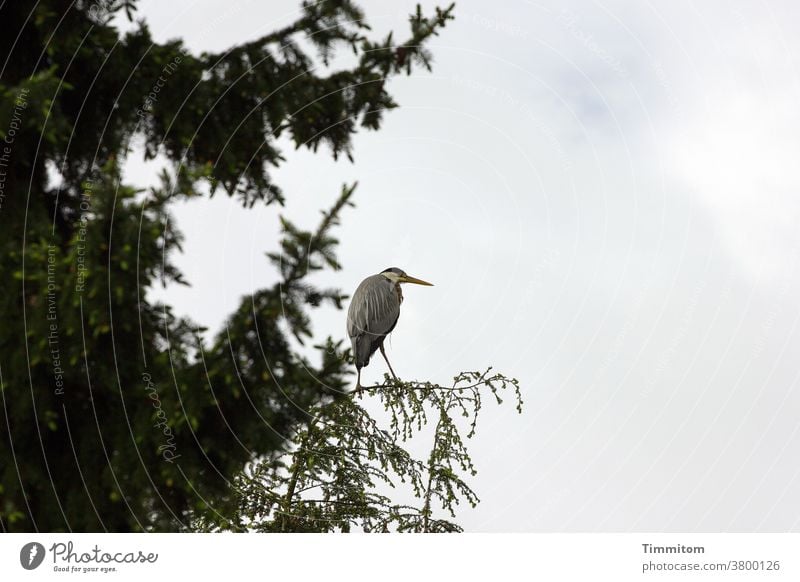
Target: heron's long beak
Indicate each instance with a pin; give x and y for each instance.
(407, 279)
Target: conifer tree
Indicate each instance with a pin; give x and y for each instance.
(117, 416)
(344, 461)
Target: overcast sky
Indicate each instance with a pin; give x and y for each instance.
(606, 198)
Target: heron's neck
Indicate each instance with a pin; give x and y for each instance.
(399, 292)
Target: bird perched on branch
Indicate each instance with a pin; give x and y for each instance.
(373, 314)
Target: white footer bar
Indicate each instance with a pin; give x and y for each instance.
(407, 558)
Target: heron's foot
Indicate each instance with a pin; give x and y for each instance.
(362, 390)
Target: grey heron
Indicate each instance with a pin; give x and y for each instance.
(373, 314)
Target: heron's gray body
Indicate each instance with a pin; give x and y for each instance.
(372, 315)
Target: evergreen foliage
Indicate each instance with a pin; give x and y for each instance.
(116, 415)
(335, 478)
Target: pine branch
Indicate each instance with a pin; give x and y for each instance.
(352, 453)
(298, 465)
(426, 510)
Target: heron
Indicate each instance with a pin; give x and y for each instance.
(373, 313)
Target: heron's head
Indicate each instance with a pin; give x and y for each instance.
(396, 275)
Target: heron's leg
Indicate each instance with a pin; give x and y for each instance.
(383, 353)
(358, 382)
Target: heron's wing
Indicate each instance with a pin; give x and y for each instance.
(373, 313)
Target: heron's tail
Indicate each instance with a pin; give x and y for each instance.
(362, 350)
